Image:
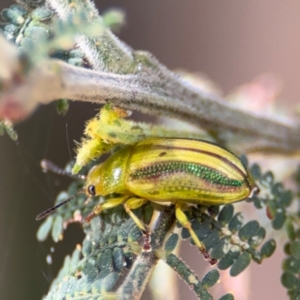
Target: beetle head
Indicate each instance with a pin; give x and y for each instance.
(93, 186)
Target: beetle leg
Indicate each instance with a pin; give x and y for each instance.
(109, 203)
(183, 220)
(134, 203)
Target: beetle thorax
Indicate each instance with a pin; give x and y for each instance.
(109, 177)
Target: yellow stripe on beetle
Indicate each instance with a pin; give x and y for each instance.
(169, 170)
(188, 170)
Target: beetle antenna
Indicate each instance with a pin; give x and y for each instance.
(49, 211)
(48, 165)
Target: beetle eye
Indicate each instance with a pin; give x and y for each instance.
(91, 190)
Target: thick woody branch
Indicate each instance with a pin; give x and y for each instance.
(154, 90)
(134, 81)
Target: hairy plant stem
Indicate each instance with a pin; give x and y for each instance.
(133, 80)
(156, 91)
(141, 270)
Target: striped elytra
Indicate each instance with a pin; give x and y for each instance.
(192, 170)
(169, 170)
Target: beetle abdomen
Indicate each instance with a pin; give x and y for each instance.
(191, 170)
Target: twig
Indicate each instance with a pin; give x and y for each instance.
(153, 90)
(141, 270)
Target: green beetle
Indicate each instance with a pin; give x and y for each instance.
(167, 171)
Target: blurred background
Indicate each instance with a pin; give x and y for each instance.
(231, 41)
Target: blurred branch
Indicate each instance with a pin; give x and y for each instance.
(151, 89)
(128, 79)
(140, 272)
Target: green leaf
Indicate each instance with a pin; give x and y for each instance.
(171, 242)
(240, 264)
(295, 249)
(44, 229)
(57, 228)
(124, 230)
(72, 189)
(185, 234)
(15, 14)
(277, 189)
(249, 230)
(62, 196)
(110, 281)
(221, 248)
(267, 179)
(257, 203)
(210, 279)
(196, 224)
(82, 287)
(287, 249)
(96, 287)
(290, 230)
(228, 259)
(289, 281)
(147, 214)
(128, 259)
(112, 237)
(86, 247)
(291, 265)
(91, 270)
(255, 171)
(226, 214)
(297, 297)
(75, 258)
(285, 198)
(37, 33)
(101, 277)
(203, 231)
(268, 248)
(134, 234)
(257, 239)
(279, 219)
(212, 239)
(64, 289)
(236, 222)
(118, 259)
(106, 260)
(42, 14)
(256, 255)
(227, 297)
